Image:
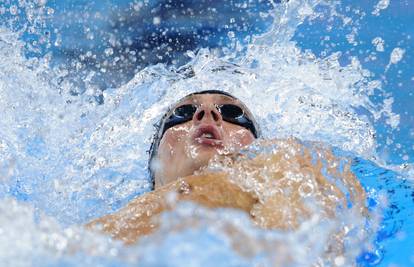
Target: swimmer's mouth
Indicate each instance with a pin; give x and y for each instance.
(208, 135)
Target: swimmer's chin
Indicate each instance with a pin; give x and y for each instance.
(215, 147)
(208, 143)
(203, 155)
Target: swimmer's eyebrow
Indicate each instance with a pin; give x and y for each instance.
(193, 99)
(226, 98)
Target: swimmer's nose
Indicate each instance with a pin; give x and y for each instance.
(207, 114)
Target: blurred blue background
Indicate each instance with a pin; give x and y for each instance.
(395, 26)
(118, 38)
(109, 41)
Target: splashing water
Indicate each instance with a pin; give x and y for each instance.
(379, 44)
(396, 56)
(66, 159)
(381, 5)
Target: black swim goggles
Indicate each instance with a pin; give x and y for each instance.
(229, 112)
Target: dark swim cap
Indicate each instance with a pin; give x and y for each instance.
(160, 128)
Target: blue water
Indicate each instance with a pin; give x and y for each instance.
(395, 238)
(323, 36)
(68, 144)
(394, 26)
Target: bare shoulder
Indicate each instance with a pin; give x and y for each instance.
(286, 174)
(273, 186)
(141, 216)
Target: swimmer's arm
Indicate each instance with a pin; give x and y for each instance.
(140, 216)
(133, 220)
(286, 208)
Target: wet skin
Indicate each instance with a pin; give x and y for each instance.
(187, 147)
(183, 150)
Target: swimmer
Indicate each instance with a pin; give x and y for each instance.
(213, 127)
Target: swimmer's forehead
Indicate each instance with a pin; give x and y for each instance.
(208, 98)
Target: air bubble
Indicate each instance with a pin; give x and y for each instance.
(306, 189)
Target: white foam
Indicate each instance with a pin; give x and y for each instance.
(73, 159)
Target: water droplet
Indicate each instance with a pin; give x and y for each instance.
(156, 20)
(378, 42)
(13, 10)
(109, 51)
(339, 261)
(396, 55)
(381, 5)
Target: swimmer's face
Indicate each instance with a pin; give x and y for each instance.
(188, 146)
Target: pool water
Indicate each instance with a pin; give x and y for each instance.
(393, 240)
(72, 152)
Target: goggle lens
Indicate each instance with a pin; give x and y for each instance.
(185, 111)
(230, 113)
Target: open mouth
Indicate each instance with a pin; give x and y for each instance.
(208, 135)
